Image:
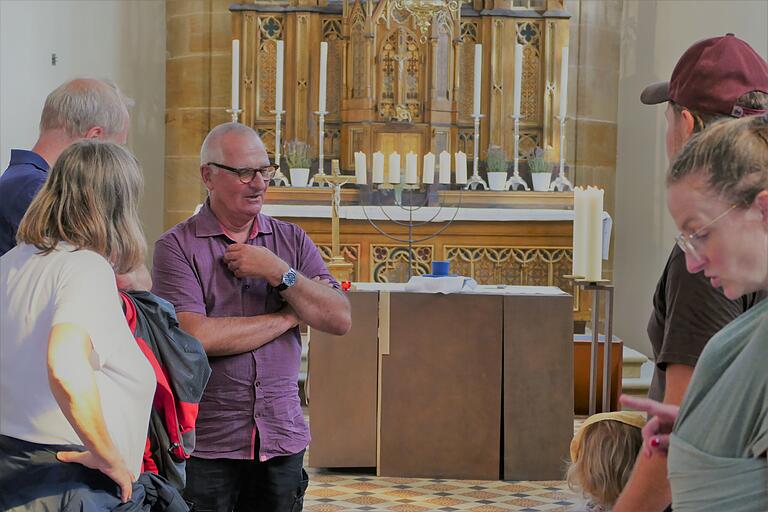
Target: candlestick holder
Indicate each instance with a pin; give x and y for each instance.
(598, 288)
(475, 180)
(279, 177)
(515, 180)
(321, 152)
(235, 113)
(561, 183)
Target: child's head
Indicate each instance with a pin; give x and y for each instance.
(603, 453)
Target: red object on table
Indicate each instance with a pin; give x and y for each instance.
(346, 285)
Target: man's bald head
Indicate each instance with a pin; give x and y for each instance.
(216, 145)
(81, 104)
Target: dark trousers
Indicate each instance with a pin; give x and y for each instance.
(224, 485)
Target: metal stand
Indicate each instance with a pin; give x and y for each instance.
(515, 180)
(234, 113)
(321, 153)
(561, 183)
(597, 288)
(475, 180)
(279, 176)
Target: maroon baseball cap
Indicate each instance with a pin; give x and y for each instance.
(711, 75)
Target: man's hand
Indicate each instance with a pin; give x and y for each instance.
(115, 469)
(255, 262)
(291, 315)
(656, 431)
(137, 280)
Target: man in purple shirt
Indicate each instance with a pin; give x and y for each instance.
(83, 108)
(241, 282)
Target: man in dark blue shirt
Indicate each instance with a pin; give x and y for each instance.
(83, 108)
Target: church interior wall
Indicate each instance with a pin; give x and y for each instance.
(123, 41)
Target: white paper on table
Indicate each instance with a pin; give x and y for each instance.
(443, 284)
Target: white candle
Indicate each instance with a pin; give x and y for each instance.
(360, 168)
(428, 169)
(235, 74)
(478, 78)
(445, 168)
(394, 167)
(595, 234)
(579, 232)
(411, 169)
(461, 168)
(518, 78)
(564, 83)
(279, 77)
(323, 72)
(378, 167)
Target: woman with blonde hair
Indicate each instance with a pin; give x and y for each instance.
(717, 193)
(74, 386)
(603, 453)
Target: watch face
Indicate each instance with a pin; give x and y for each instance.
(289, 278)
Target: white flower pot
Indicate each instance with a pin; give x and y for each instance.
(497, 180)
(299, 177)
(541, 181)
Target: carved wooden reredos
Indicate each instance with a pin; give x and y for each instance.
(391, 86)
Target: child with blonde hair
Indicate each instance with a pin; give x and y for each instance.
(603, 453)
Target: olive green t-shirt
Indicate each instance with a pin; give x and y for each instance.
(718, 447)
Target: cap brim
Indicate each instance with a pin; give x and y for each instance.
(655, 93)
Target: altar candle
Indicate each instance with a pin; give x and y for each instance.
(411, 166)
(579, 232)
(235, 74)
(564, 83)
(595, 234)
(378, 167)
(428, 169)
(478, 78)
(323, 72)
(394, 167)
(461, 168)
(518, 78)
(445, 168)
(360, 169)
(279, 77)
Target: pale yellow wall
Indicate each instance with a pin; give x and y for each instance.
(654, 35)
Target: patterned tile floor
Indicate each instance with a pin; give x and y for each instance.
(361, 490)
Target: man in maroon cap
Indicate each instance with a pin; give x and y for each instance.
(715, 78)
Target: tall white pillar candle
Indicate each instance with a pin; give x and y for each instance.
(378, 167)
(445, 168)
(394, 167)
(323, 74)
(235, 74)
(564, 83)
(478, 78)
(411, 168)
(360, 168)
(518, 78)
(428, 169)
(595, 234)
(461, 168)
(579, 232)
(279, 76)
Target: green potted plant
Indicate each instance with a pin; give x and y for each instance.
(297, 157)
(541, 175)
(496, 165)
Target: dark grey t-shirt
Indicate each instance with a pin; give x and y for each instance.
(687, 312)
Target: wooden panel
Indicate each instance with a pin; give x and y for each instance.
(538, 386)
(582, 350)
(342, 392)
(441, 387)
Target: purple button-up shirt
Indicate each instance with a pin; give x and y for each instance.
(253, 395)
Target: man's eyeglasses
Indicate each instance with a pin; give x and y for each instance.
(247, 174)
(691, 244)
